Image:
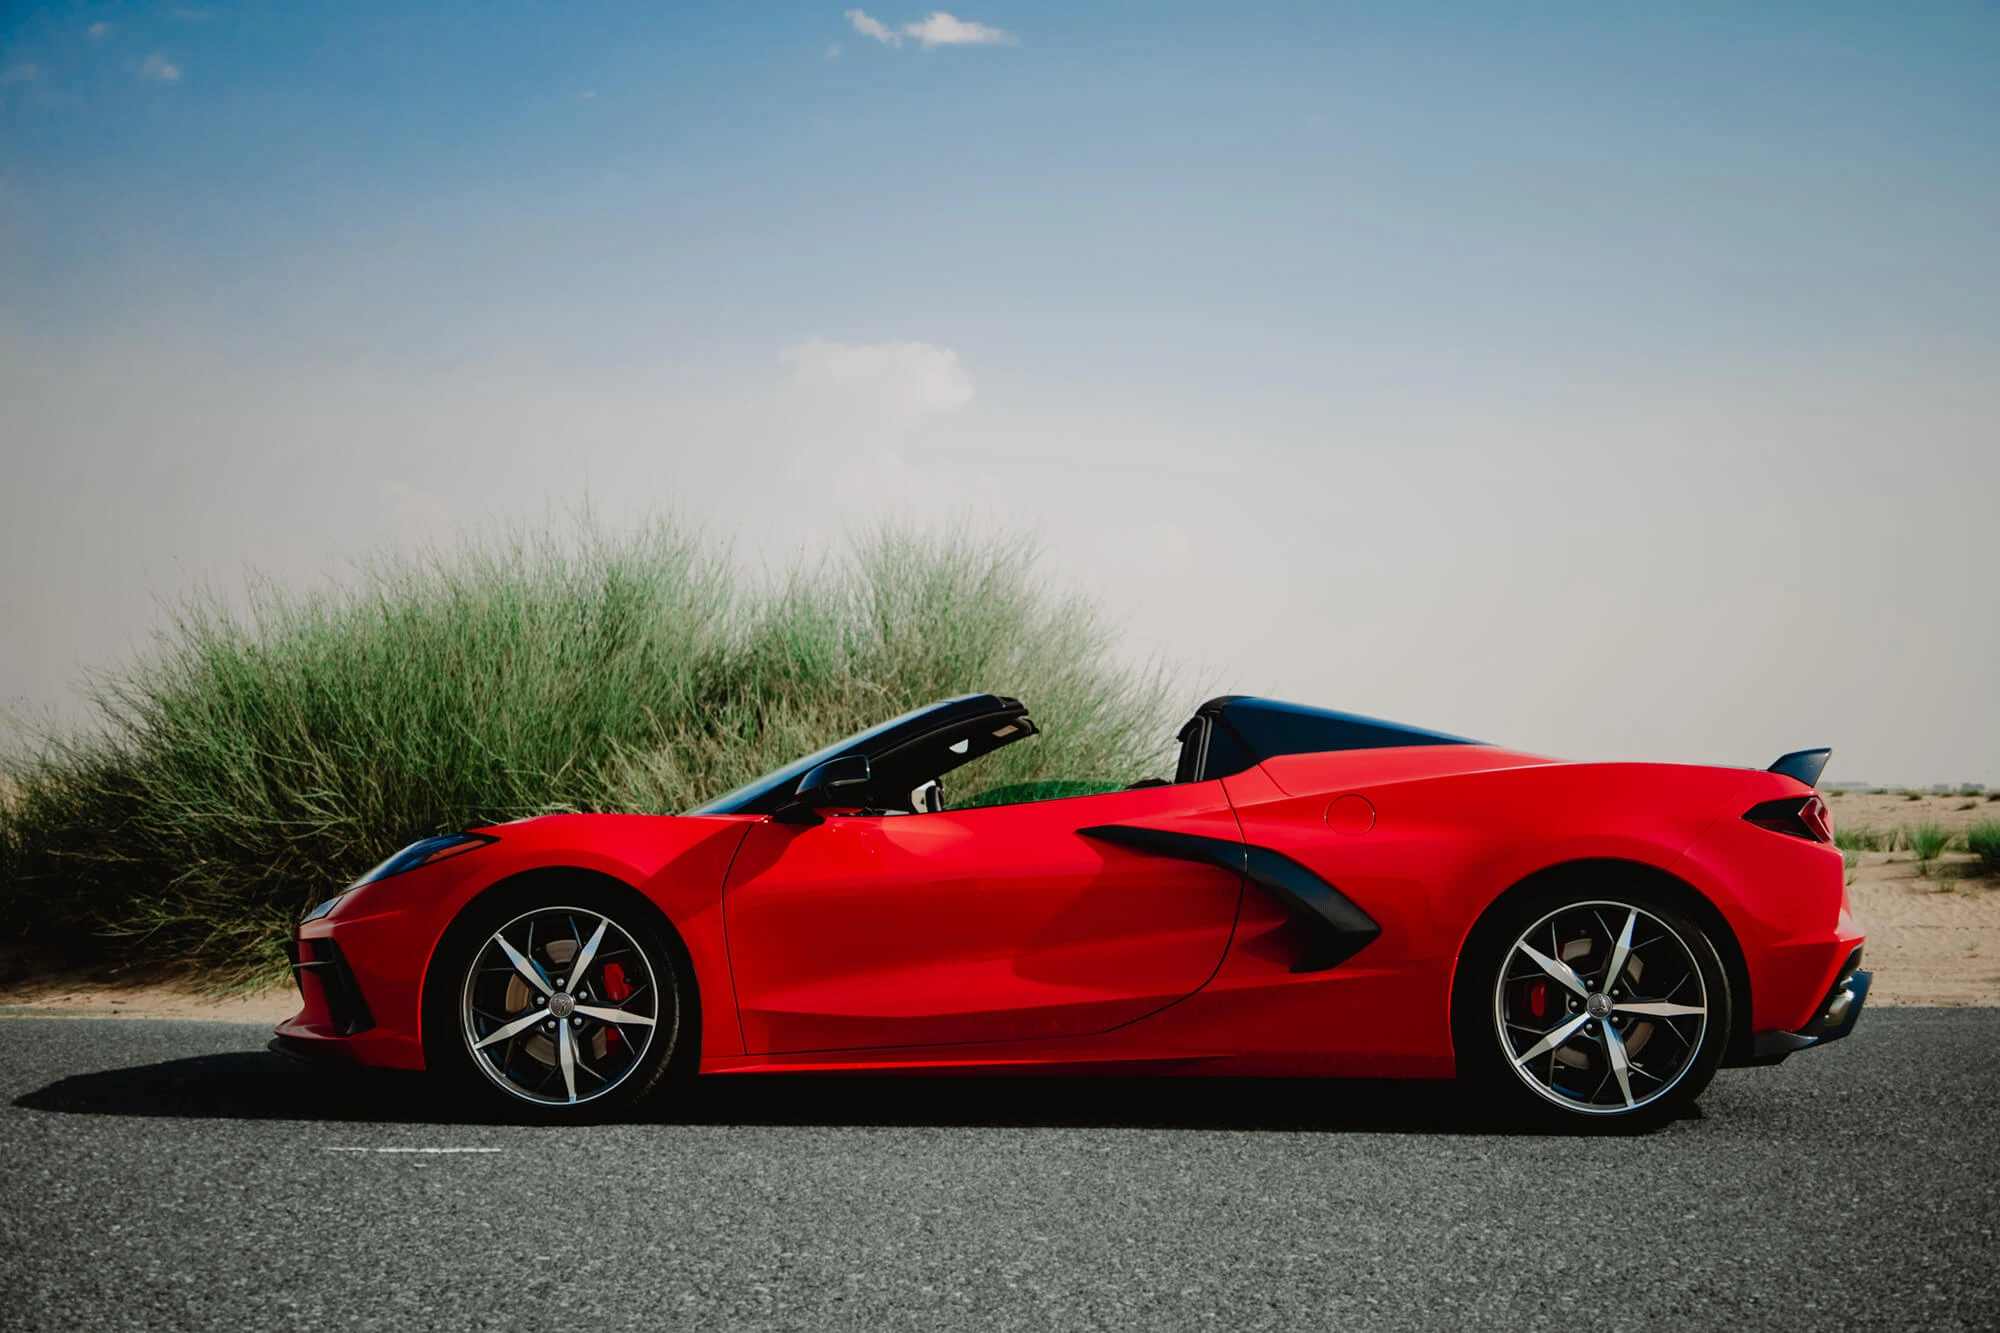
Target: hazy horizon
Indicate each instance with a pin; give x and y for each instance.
(1603, 384)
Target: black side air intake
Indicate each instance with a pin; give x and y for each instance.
(1332, 927)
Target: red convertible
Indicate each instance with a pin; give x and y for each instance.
(1313, 893)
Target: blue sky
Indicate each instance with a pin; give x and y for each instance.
(1480, 367)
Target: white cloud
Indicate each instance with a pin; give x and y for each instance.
(941, 29)
(870, 27)
(97, 30)
(157, 66)
(891, 383)
(22, 73)
(833, 50)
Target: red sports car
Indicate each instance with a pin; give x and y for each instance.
(1314, 893)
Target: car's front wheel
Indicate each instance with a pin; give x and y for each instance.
(1596, 1005)
(555, 1005)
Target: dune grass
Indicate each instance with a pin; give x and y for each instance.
(1859, 838)
(1928, 840)
(1983, 841)
(251, 761)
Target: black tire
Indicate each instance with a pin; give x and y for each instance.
(596, 1070)
(1509, 1004)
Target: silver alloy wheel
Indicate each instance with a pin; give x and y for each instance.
(559, 1006)
(1600, 1007)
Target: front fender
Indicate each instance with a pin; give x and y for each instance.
(390, 931)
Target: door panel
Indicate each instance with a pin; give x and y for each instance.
(972, 925)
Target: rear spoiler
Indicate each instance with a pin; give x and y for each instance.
(1805, 765)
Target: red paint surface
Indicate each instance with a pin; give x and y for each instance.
(1350, 815)
(995, 924)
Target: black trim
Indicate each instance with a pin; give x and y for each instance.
(345, 1006)
(896, 749)
(311, 1052)
(1235, 732)
(818, 788)
(1334, 928)
(1805, 765)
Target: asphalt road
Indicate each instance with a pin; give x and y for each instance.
(175, 1175)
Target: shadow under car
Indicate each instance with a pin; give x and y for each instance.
(261, 1085)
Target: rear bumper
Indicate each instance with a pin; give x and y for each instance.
(1838, 1011)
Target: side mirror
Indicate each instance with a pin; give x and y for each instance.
(826, 784)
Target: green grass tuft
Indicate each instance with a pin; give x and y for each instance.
(1983, 841)
(1020, 793)
(1928, 840)
(1859, 838)
(250, 762)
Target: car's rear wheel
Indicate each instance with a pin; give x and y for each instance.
(1600, 1004)
(556, 1004)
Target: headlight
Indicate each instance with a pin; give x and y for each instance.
(416, 854)
(423, 853)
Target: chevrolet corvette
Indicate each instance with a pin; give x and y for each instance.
(1313, 893)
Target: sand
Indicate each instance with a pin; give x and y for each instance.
(85, 998)
(1932, 939)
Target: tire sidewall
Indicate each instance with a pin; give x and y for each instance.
(457, 1069)
(1483, 1064)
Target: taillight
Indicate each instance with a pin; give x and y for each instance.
(1800, 816)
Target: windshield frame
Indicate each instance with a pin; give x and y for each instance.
(757, 795)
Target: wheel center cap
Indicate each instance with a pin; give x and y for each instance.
(562, 1004)
(1597, 1005)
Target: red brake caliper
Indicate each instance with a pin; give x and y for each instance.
(1538, 999)
(616, 989)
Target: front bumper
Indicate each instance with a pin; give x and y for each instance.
(338, 996)
(1834, 1018)
(355, 1009)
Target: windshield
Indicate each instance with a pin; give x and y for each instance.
(733, 801)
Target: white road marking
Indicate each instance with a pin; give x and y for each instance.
(422, 1150)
